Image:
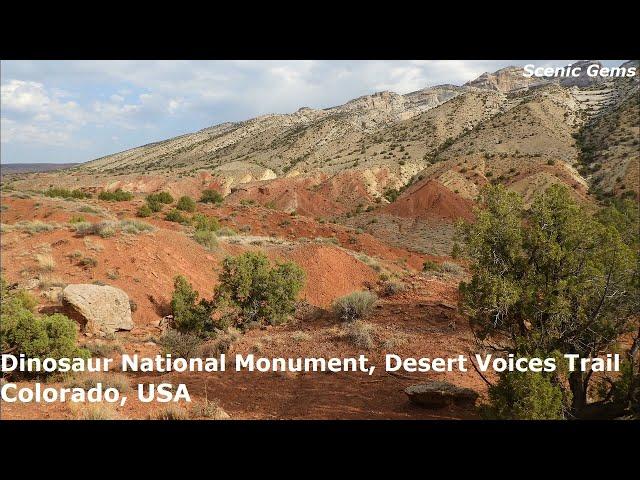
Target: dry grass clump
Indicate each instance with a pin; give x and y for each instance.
(102, 229)
(450, 267)
(354, 306)
(300, 336)
(96, 412)
(90, 380)
(134, 227)
(35, 226)
(46, 262)
(183, 345)
(170, 412)
(396, 340)
(93, 245)
(209, 409)
(391, 287)
(221, 344)
(47, 280)
(359, 334)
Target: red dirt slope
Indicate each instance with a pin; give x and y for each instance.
(430, 200)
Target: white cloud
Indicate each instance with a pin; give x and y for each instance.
(65, 102)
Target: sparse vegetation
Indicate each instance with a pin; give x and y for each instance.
(160, 197)
(552, 279)
(117, 195)
(354, 306)
(37, 336)
(211, 196)
(359, 334)
(257, 291)
(68, 194)
(175, 216)
(186, 204)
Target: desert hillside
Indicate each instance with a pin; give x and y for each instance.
(365, 197)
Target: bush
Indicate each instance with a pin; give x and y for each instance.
(202, 222)
(456, 251)
(175, 216)
(135, 227)
(182, 345)
(524, 396)
(170, 412)
(144, 211)
(430, 266)
(261, 293)
(354, 306)
(186, 204)
(206, 238)
(103, 229)
(390, 287)
(359, 334)
(226, 232)
(88, 262)
(450, 267)
(155, 206)
(36, 336)
(211, 196)
(117, 195)
(160, 197)
(187, 315)
(77, 219)
(64, 193)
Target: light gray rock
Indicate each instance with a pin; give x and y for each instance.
(437, 394)
(99, 308)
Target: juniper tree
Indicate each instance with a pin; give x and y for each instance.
(551, 278)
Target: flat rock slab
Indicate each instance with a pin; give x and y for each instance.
(437, 394)
(103, 308)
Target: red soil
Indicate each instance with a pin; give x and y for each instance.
(430, 200)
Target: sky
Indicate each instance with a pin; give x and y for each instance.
(76, 111)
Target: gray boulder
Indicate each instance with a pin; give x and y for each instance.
(437, 394)
(98, 308)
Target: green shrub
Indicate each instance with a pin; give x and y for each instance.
(259, 292)
(117, 195)
(144, 211)
(160, 197)
(186, 204)
(37, 336)
(64, 193)
(524, 396)
(206, 238)
(354, 306)
(175, 216)
(155, 206)
(211, 196)
(77, 219)
(189, 316)
(430, 266)
(202, 222)
(456, 251)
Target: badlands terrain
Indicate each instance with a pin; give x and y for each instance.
(359, 195)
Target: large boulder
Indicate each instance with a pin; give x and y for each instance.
(437, 394)
(98, 308)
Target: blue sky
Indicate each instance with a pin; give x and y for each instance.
(75, 111)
